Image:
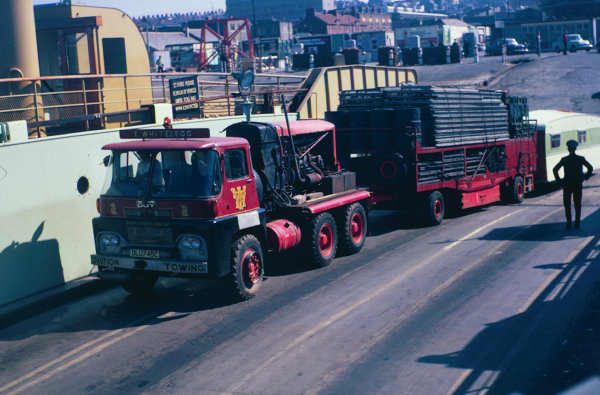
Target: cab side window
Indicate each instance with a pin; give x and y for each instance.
(236, 165)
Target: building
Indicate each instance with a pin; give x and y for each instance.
(444, 31)
(405, 17)
(374, 19)
(338, 22)
(173, 49)
(370, 42)
(273, 38)
(328, 23)
(552, 31)
(570, 9)
(278, 9)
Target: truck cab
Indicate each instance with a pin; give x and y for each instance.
(171, 206)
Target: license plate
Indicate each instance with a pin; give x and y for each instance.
(103, 261)
(149, 254)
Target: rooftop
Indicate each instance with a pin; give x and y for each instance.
(177, 144)
(160, 40)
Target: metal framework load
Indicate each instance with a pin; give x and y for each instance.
(449, 116)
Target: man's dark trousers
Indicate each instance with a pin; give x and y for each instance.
(576, 191)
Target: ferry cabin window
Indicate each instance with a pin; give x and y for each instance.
(581, 136)
(555, 140)
(235, 164)
(115, 59)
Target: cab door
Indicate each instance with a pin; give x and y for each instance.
(239, 186)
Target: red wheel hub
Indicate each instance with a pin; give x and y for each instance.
(251, 267)
(437, 208)
(357, 228)
(326, 239)
(520, 191)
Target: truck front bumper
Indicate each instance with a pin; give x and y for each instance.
(170, 268)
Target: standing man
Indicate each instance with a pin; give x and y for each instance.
(539, 43)
(565, 41)
(572, 182)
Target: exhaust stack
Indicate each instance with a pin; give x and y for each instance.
(19, 52)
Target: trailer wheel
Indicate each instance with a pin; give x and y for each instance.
(247, 267)
(323, 239)
(140, 283)
(435, 208)
(514, 192)
(353, 229)
(518, 190)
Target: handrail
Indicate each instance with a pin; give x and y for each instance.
(159, 75)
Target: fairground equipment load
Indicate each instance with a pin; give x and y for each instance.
(449, 116)
(430, 146)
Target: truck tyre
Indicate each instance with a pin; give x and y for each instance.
(353, 229)
(514, 192)
(322, 242)
(435, 208)
(247, 267)
(140, 283)
(518, 190)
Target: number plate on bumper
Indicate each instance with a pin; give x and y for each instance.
(173, 267)
(148, 254)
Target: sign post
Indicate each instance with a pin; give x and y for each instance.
(185, 96)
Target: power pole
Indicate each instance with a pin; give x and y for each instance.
(259, 52)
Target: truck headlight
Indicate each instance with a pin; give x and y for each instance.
(109, 243)
(192, 248)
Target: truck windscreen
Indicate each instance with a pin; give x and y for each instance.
(164, 174)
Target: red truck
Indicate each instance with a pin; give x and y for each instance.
(178, 202)
(432, 149)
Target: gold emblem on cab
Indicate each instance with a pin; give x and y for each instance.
(239, 195)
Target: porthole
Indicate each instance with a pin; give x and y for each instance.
(83, 185)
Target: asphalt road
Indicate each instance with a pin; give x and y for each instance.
(420, 311)
(558, 82)
(466, 307)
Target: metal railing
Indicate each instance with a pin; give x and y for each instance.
(62, 104)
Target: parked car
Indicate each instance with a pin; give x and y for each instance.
(512, 47)
(574, 43)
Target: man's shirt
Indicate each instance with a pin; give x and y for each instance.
(573, 168)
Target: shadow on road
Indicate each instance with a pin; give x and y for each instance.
(508, 355)
(551, 231)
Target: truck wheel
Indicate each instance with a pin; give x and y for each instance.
(514, 192)
(353, 229)
(435, 208)
(323, 239)
(247, 267)
(140, 283)
(518, 190)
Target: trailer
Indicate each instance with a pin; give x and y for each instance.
(437, 149)
(181, 203)
(554, 129)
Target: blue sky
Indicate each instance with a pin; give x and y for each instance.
(137, 7)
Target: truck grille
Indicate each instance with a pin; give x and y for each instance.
(149, 235)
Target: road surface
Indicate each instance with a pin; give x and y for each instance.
(564, 82)
(467, 307)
